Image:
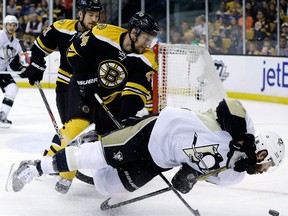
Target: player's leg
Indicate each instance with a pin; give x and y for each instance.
(10, 91)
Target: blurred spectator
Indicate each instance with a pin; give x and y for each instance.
(223, 11)
(249, 20)
(284, 7)
(21, 27)
(252, 49)
(255, 7)
(34, 26)
(215, 44)
(236, 36)
(19, 11)
(267, 48)
(284, 30)
(189, 37)
(32, 8)
(283, 51)
(42, 8)
(200, 27)
(59, 9)
(185, 27)
(271, 13)
(26, 7)
(11, 8)
(236, 9)
(261, 27)
(225, 27)
(176, 37)
(264, 7)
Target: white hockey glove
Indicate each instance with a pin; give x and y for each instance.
(242, 156)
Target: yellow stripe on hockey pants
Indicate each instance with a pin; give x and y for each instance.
(69, 131)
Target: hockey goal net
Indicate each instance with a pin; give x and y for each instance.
(187, 78)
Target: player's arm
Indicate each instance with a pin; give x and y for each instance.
(231, 116)
(44, 44)
(80, 57)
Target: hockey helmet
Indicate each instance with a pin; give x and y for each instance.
(10, 19)
(144, 22)
(274, 145)
(89, 5)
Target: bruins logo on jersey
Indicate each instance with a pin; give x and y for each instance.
(112, 73)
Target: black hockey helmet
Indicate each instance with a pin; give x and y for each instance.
(144, 22)
(89, 5)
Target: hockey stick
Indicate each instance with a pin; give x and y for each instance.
(106, 206)
(119, 125)
(10, 72)
(79, 175)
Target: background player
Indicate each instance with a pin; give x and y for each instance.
(129, 158)
(10, 50)
(118, 65)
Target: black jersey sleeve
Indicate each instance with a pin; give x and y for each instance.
(231, 116)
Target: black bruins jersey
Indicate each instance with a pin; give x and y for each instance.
(58, 36)
(98, 59)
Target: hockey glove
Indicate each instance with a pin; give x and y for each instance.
(185, 179)
(241, 156)
(34, 71)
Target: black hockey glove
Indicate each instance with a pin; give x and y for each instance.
(241, 156)
(184, 179)
(34, 71)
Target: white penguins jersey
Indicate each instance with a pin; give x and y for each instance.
(8, 50)
(183, 136)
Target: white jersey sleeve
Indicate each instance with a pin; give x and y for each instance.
(8, 50)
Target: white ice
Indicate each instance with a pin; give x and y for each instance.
(32, 131)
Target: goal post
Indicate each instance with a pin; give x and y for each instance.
(187, 78)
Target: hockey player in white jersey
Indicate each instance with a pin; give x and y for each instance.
(9, 56)
(127, 159)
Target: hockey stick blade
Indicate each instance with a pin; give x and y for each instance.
(106, 206)
(8, 185)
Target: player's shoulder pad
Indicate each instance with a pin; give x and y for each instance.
(152, 58)
(235, 107)
(108, 33)
(65, 24)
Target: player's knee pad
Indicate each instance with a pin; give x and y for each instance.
(11, 91)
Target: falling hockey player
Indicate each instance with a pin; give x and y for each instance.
(127, 159)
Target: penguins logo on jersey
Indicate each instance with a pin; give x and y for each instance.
(112, 73)
(206, 157)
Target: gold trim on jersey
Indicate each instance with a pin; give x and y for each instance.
(148, 57)
(111, 97)
(121, 137)
(136, 89)
(208, 118)
(235, 107)
(63, 76)
(72, 52)
(42, 47)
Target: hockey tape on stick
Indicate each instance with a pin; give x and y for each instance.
(24, 51)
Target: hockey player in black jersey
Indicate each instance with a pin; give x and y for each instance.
(127, 159)
(118, 65)
(59, 36)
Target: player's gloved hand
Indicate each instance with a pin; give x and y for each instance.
(34, 72)
(242, 153)
(184, 179)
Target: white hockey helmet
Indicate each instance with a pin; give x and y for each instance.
(10, 19)
(274, 145)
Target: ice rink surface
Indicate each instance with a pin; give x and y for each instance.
(32, 132)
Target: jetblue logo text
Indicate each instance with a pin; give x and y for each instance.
(275, 76)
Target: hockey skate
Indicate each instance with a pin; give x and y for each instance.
(63, 185)
(25, 173)
(185, 179)
(4, 122)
